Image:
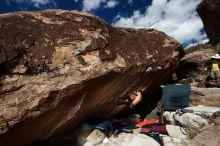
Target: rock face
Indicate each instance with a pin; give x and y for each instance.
(207, 137)
(196, 62)
(59, 68)
(201, 56)
(205, 96)
(209, 11)
(195, 66)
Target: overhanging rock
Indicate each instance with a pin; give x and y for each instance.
(60, 67)
(209, 11)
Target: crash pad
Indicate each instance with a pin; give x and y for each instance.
(147, 122)
(175, 97)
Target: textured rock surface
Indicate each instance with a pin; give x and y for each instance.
(95, 138)
(196, 62)
(169, 141)
(204, 111)
(199, 57)
(128, 139)
(209, 11)
(59, 68)
(205, 96)
(192, 122)
(176, 131)
(210, 136)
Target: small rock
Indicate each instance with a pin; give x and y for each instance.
(96, 137)
(106, 140)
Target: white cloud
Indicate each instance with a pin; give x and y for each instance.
(35, 3)
(89, 5)
(111, 4)
(177, 18)
(130, 2)
(38, 3)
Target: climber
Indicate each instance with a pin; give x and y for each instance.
(215, 71)
(136, 97)
(132, 100)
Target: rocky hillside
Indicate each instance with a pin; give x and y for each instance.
(59, 68)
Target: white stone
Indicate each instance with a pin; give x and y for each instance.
(204, 110)
(132, 140)
(176, 140)
(191, 120)
(96, 137)
(168, 141)
(106, 140)
(176, 131)
(141, 140)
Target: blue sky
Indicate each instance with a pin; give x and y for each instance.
(177, 18)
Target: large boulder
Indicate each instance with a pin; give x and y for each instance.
(59, 68)
(201, 56)
(209, 11)
(195, 63)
